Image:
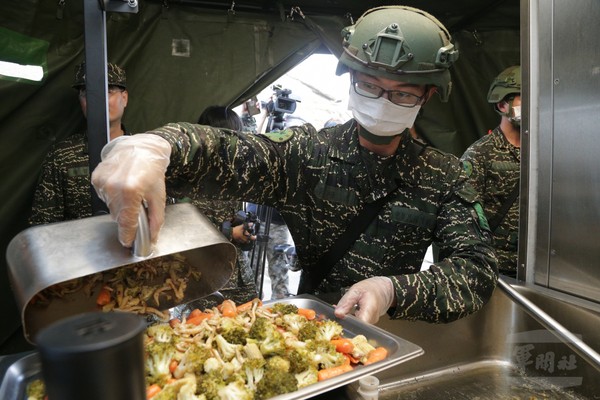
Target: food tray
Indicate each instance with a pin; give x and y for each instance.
(399, 350)
(44, 255)
(22, 371)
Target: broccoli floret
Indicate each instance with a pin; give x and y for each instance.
(270, 340)
(192, 361)
(308, 331)
(231, 369)
(278, 362)
(275, 382)
(160, 333)
(299, 360)
(158, 358)
(284, 308)
(170, 390)
(36, 390)
(260, 329)
(254, 370)
(235, 390)
(329, 329)
(293, 322)
(212, 365)
(187, 390)
(209, 385)
(307, 377)
(323, 354)
(273, 344)
(226, 350)
(252, 350)
(233, 331)
(362, 348)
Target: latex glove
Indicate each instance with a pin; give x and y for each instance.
(373, 296)
(132, 173)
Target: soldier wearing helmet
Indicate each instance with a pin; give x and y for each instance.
(63, 190)
(493, 166)
(324, 182)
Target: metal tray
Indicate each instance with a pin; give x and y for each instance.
(21, 372)
(399, 350)
(44, 255)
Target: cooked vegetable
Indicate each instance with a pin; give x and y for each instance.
(253, 354)
(380, 353)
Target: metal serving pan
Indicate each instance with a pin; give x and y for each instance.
(399, 350)
(45, 255)
(24, 370)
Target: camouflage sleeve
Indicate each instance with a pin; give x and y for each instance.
(474, 166)
(463, 281)
(48, 199)
(212, 163)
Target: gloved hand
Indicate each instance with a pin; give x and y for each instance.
(132, 173)
(373, 296)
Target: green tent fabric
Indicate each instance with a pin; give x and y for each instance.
(180, 59)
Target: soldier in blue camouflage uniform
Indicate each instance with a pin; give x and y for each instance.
(281, 257)
(319, 180)
(492, 164)
(63, 189)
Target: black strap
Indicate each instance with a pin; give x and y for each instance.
(495, 221)
(314, 276)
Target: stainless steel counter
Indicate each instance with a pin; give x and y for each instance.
(501, 352)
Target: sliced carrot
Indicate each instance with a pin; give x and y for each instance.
(152, 391)
(329, 373)
(343, 345)
(228, 308)
(308, 313)
(197, 319)
(248, 305)
(378, 354)
(195, 312)
(174, 322)
(103, 297)
(173, 366)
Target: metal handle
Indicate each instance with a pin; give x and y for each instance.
(580, 347)
(142, 246)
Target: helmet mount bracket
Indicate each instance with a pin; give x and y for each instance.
(379, 50)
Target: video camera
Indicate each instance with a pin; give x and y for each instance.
(278, 106)
(251, 224)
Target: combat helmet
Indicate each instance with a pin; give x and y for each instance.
(400, 43)
(506, 83)
(116, 76)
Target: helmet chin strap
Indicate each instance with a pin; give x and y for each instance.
(510, 114)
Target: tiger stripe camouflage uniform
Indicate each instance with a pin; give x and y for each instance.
(492, 164)
(319, 180)
(63, 191)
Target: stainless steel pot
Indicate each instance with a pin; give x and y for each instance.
(45, 255)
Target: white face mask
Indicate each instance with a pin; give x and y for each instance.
(515, 119)
(380, 116)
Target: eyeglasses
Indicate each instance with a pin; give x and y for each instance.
(111, 90)
(397, 97)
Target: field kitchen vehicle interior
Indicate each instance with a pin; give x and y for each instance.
(537, 338)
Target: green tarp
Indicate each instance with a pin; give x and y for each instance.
(180, 59)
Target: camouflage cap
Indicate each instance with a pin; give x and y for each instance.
(116, 76)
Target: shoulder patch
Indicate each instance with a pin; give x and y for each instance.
(279, 136)
(468, 167)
